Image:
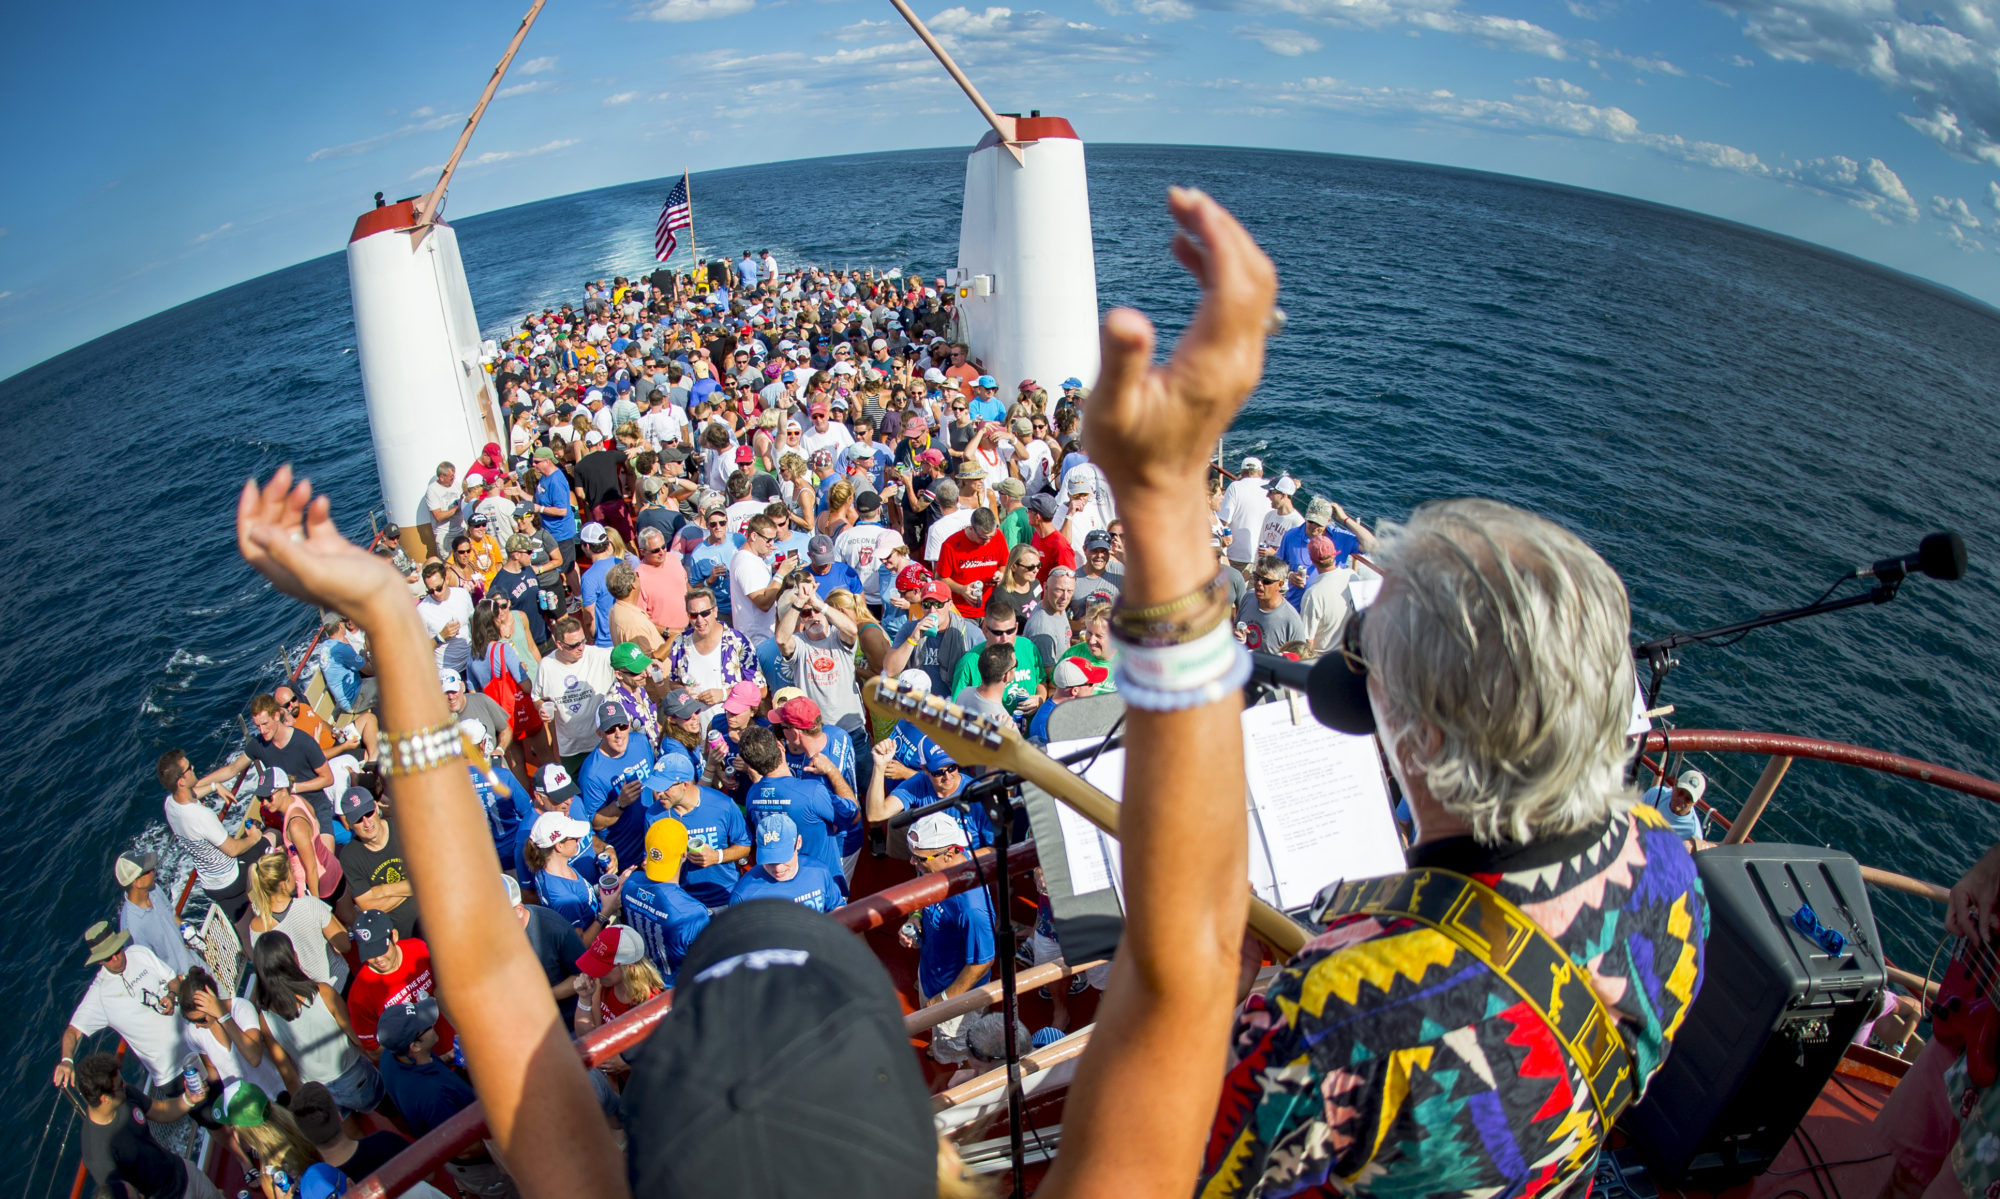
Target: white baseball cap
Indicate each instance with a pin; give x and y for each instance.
(551, 827)
(594, 534)
(1253, 463)
(1286, 485)
(450, 680)
(936, 831)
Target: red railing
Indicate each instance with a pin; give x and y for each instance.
(883, 908)
(1788, 746)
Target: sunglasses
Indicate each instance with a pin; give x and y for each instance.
(571, 646)
(1003, 632)
(947, 768)
(704, 614)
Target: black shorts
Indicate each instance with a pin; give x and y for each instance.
(568, 552)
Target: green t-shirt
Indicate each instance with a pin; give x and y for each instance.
(1027, 673)
(1081, 651)
(1014, 527)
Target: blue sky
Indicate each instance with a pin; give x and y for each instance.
(166, 151)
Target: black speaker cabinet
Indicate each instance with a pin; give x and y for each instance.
(1773, 1016)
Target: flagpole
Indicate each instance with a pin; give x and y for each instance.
(692, 250)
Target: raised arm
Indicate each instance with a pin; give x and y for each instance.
(1138, 1113)
(537, 1097)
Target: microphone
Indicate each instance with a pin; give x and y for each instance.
(1336, 692)
(1940, 555)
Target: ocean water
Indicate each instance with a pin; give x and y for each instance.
(1732, 419)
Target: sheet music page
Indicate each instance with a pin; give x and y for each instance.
(1321, 802)
(1092, 856)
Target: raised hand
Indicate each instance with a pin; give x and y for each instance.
(1156, 425)
(289, 537)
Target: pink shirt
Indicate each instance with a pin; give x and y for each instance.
(663, 592)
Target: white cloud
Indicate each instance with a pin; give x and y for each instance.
(999, 34)
(1954, 211)
(1447, 17)
(1993, 195)
(1288, 42)
(216, 232)
(1559, 89)
(1958, 237)
(1870, 186)
(862, 29)
(620, 98)
(1738, 60)
(522, 89)
(1946, 58)
(536, 66)
(5, 294)
(697, 10)
(1153, 10)
(418, 114)
(351, 149)
(494, 156)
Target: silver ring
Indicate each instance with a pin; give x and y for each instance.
(1274, 324)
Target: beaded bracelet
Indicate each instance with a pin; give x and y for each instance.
(425, 749)
(1173, 678)
(1217, 586)
(1164, 634)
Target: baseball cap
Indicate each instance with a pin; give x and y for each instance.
(1096, 539)
(1320, 512)
(270, 781)
(520, 543)
(1080, 484)
(1322, 549)
(743, 697)
(867, 501)
(1253, 463)
(551, 827)
(820, 550)
(933, 375)
(681, 704)
(912, 577)
(317, 1115)
(879, 344)
(544, 454)
(914, 426)
(1286, 485)
(936, 592)
(1044, 506)
(666, 845)
(1011, 486)
(818, 408)
(827, 1094)
(451, 680)
(1694, 782)
(371, 933)
(745, 455)
(1075, 672)
(355, 803)
(777, 839)
(512, 887)
(986, 381)
(783, 696)
(611, 715)
(242, 1105)
(618, 945)
(670, 771)
(402, 1025)
(131, 864)
(628, 657)
(555, 782)
(1072, 384)
(593, 438)
(800, 713)
(594, 534)
(936, 831)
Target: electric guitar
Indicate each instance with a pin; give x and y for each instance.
(1963, 1014)
(973, 739)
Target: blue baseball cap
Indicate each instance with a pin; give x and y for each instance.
(670, 771)
(777, 840)
(1072, 383)
(937, 760)
(987, 381)
(788, 377)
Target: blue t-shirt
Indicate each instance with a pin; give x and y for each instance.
(553, 492)
(341, 664)
(714, 823)
(987, 409)
(668, 920)
(814, 886)
(504, 813)
(708, 566)
(427, 1095)
(576, 899)
(840, 751)
(913, 745)
(839, 576)
(795, 545)
(1292, 548)
(823, 818)
(917, 790)
(957, 932)
(593, 592)
(1688, 827)
(597, 783)
(873, 458)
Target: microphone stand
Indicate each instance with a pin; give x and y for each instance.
(1657, 653)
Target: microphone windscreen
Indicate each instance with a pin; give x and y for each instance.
(1942, 556)
(1338, 696)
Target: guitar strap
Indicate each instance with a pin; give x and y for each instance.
(1478, 920)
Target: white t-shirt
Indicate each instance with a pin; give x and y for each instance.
(575, 689)
(664, 424)
(229, 1064)
(748, 573)
(1035, 466)
(201, 833)
(946, 525)
(436, 614)
(836, 438)
(863, 548)
(739, 513)
(1325, 608)
(439, 496)
(131, 1003)
(1081, 525)
(1244, 506)
(1276, 525)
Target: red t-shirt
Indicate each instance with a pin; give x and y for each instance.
(964, 561)
(410, 981)
(1055, 550)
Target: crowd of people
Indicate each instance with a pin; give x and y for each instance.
(596, 734)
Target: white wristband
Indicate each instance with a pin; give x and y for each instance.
(1176, 677)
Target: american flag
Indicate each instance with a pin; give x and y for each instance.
(677, 213)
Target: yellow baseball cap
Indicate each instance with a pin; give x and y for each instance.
(666, 845)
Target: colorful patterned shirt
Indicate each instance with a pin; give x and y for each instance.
(1385, 1060)
(739, 659)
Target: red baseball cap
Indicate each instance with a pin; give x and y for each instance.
(744, 454)
(617, 945)
(800, 713)
(937, 592)
(817, 410)
(912, 577)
